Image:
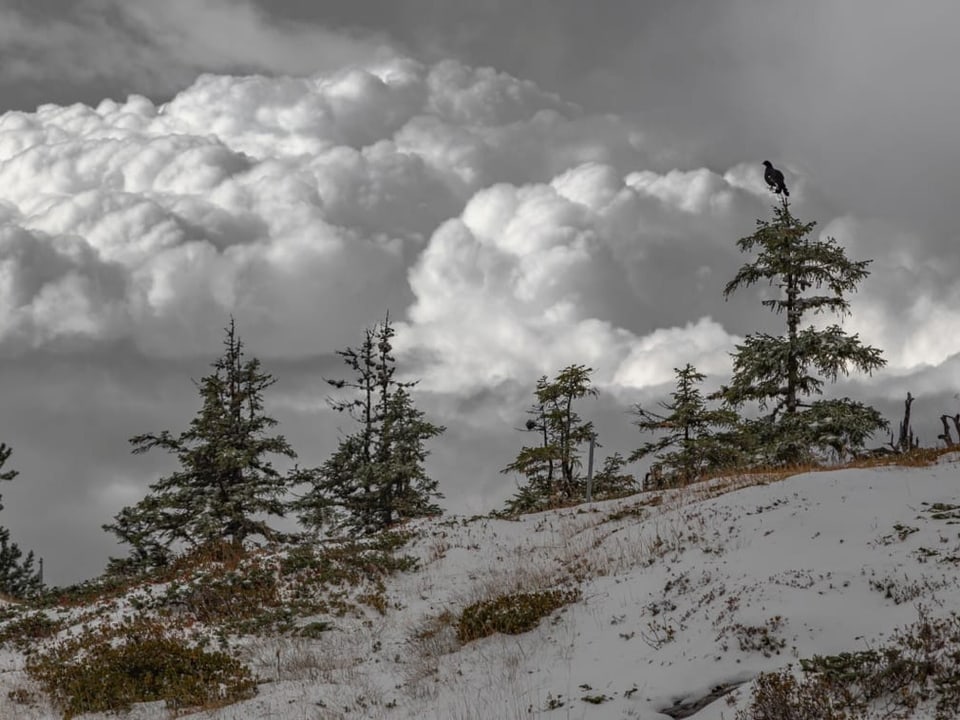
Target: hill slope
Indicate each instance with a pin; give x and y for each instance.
(667, 601)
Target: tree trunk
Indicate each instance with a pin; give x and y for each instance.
(793, 325)
(947, 437)
(906, 442)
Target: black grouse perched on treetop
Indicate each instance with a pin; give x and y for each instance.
(774, 179)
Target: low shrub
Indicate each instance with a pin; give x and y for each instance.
(511, 614)
(919, 666)
(315, 629)
(110, 670)
(227, 598)
(781, 696)
(760, 638)
(23, 632)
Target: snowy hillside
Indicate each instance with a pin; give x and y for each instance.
(668, 601)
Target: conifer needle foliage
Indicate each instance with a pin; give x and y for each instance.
(692, 438)
(780, 373)
(376, 477)
(18, 577)
(552, 467)
(226, 483)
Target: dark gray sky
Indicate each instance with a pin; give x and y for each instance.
(523, 185)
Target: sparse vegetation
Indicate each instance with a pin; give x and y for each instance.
(763, 639)
(511, 614)
(919, 666)
(26, 630)
(311, 612)
(110, 669)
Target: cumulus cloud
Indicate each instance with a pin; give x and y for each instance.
(515, 231)
(295, 202)
(908, 306)
(526, 279)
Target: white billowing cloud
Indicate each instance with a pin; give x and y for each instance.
(695, 192)
(653, 360)
(517, 286)
(907, 305)
(54, 287)
(510, 231)
(300, 203)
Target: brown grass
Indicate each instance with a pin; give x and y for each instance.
(731, 480)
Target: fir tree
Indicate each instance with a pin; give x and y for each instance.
(146, 528)
(407, 490)
(376, 477)
(17, 575)
(693, 439)
(551, 468)
(226, 483)
(779, 372)
(611, 482)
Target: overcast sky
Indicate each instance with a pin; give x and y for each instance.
(522, 186)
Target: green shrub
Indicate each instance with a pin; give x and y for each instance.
(26, 630)
(110, 670)
(920, 664)
(228, 598)
(780, 696)
(315, 629)
(350, 563)
(511, 614)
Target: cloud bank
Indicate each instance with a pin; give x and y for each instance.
(504, 218)
(508, 231)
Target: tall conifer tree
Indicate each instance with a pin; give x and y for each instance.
(376, 477)
(780, 372)
(226, 482)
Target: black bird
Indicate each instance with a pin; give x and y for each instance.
(774, 179)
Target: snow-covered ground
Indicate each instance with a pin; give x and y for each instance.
(701, 588)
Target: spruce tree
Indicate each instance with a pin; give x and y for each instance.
(226, 482)
(780, 372)
(552, 467)
(18, 578)
(611, 482)
(408, 491)
(376, 477)
(692, 438)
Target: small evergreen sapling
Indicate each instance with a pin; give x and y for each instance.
(17, 575)
(692, 438)
(611, 481)
(551, 468)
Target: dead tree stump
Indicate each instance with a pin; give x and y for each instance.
(906, 441)
(947, 437)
